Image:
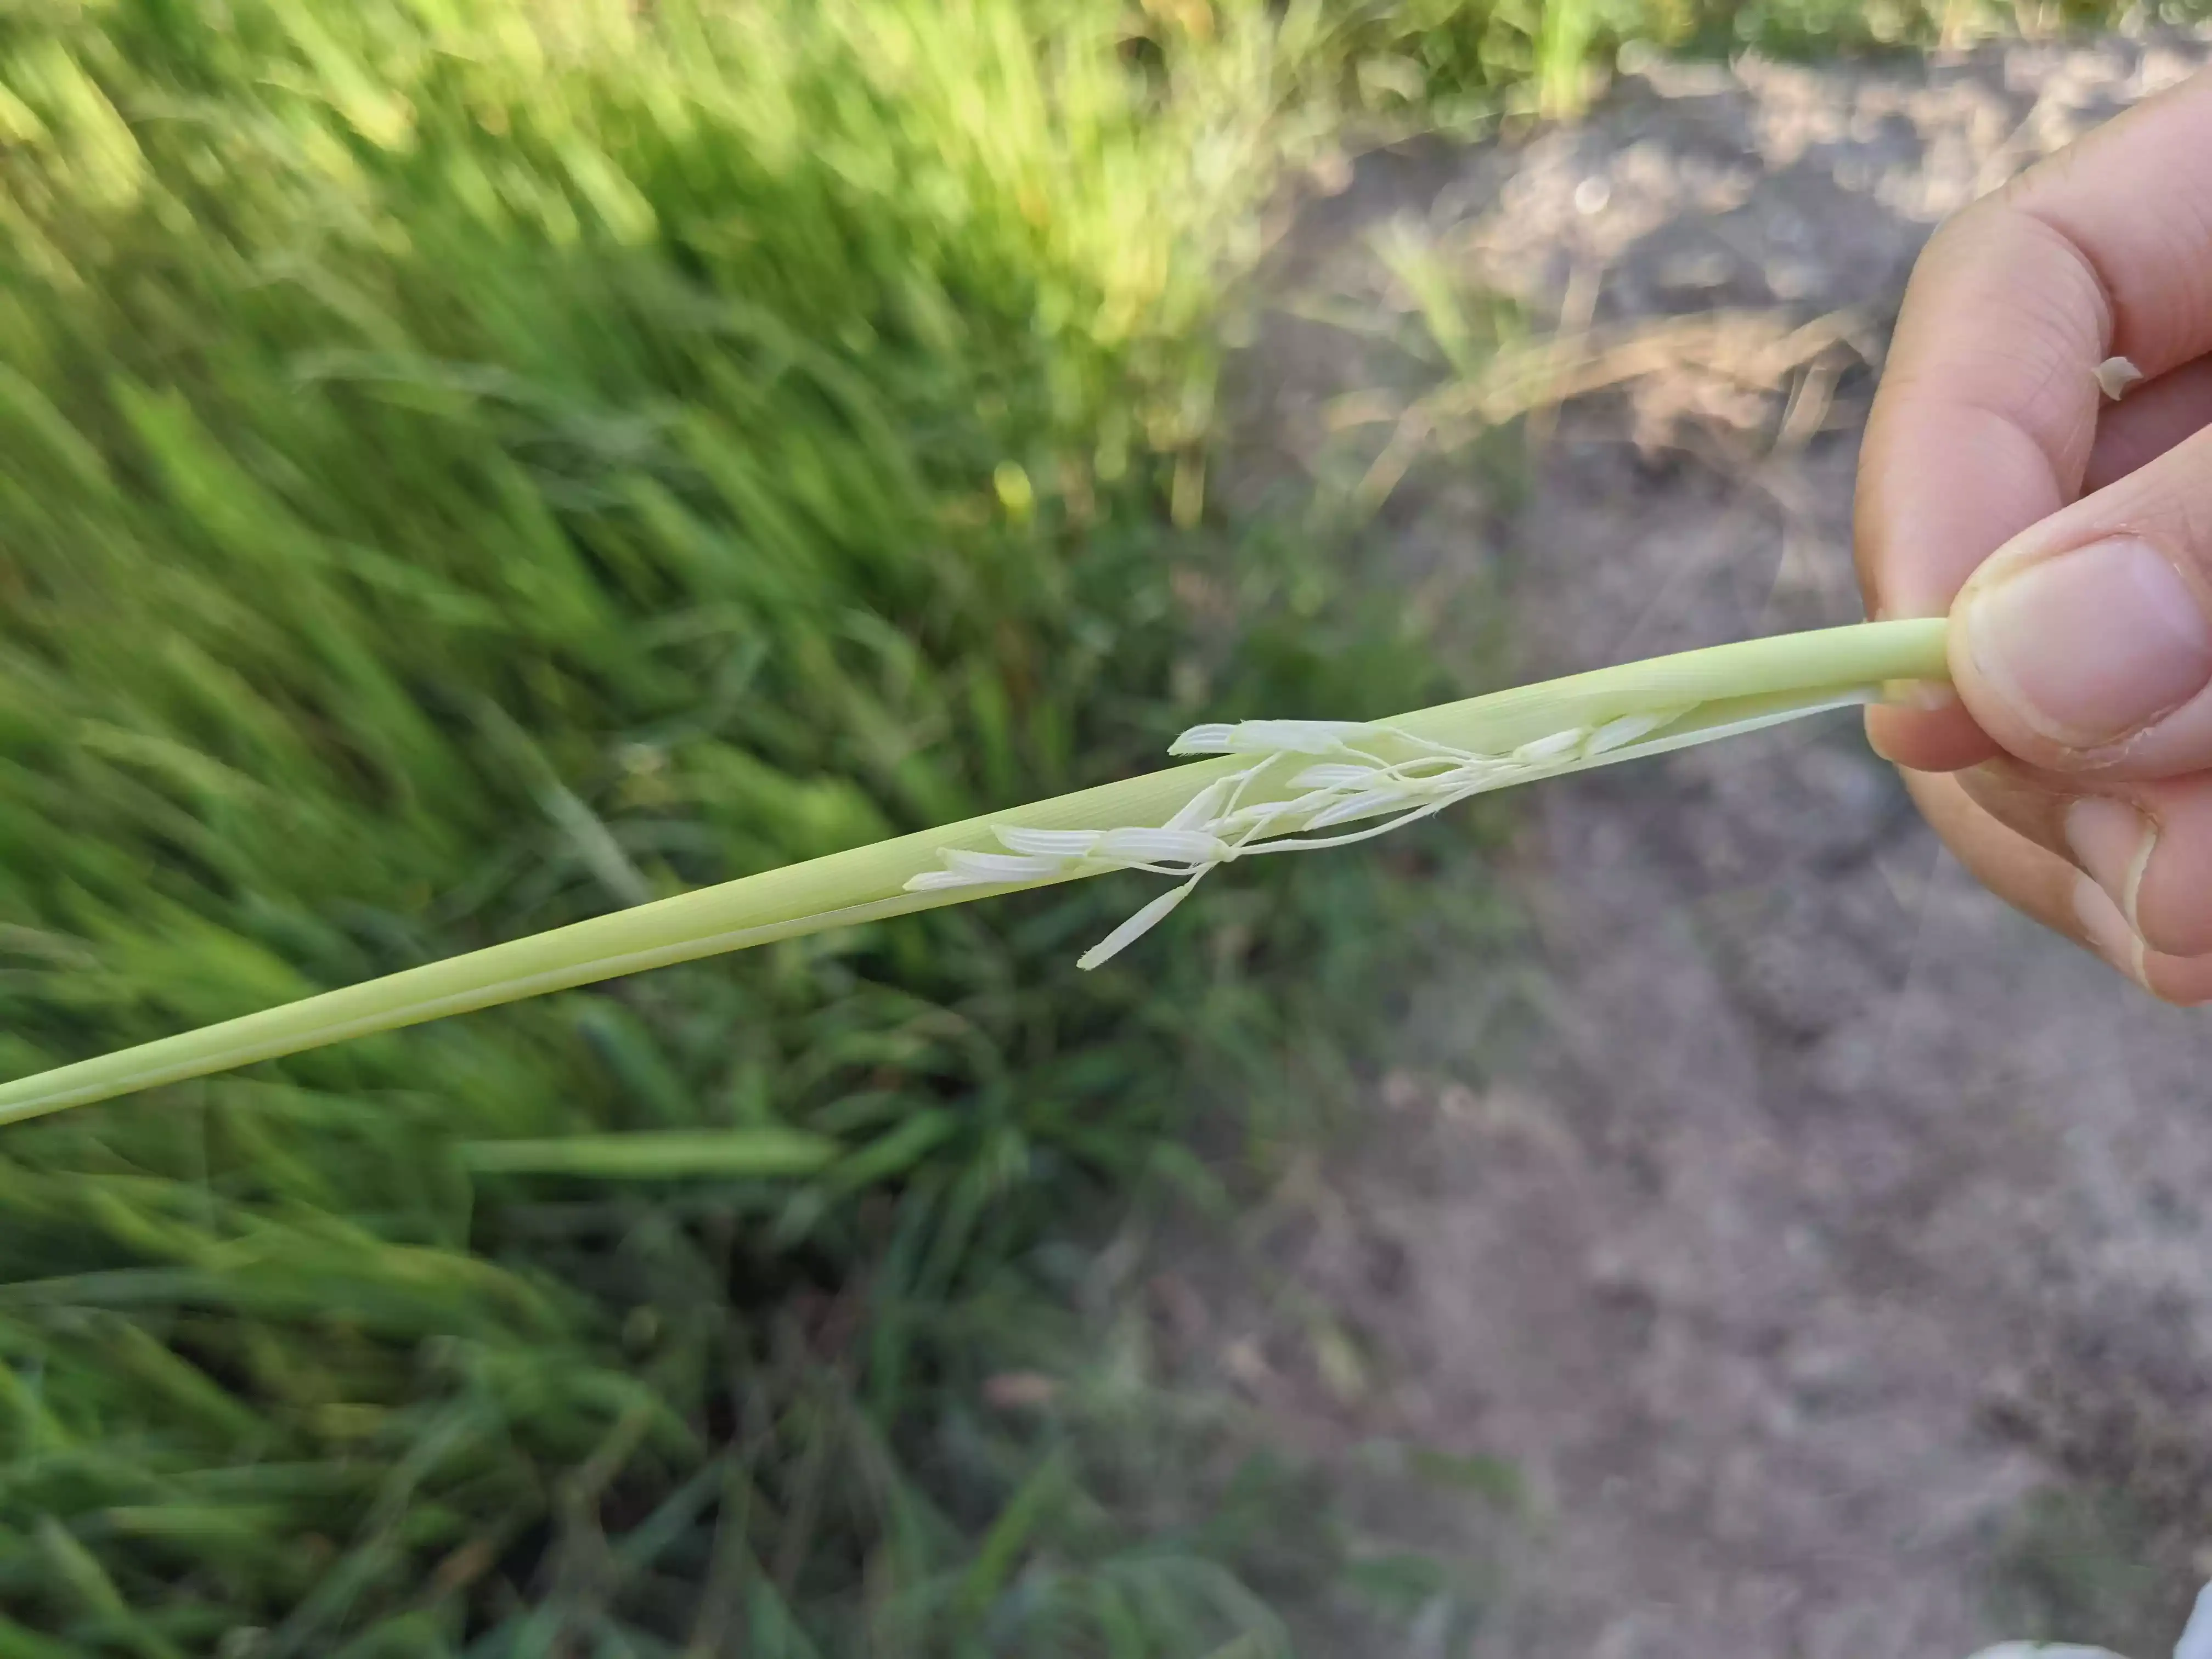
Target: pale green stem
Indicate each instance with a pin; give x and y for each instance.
(1722, 687)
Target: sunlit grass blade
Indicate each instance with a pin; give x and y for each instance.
(658, 1154)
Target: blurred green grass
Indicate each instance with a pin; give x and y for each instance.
(466, 464)
(467, 467)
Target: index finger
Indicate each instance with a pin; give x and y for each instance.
(1988, 409)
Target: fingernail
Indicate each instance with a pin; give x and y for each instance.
(1932, 697)
(2107, 931)
(2112, 843)
(2090, 646)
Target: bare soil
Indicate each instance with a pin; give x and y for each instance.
(1825, 1248)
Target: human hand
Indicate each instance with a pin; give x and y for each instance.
(2069, 537)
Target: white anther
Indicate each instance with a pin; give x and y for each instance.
(1368, 805)
(1337, 777)
(1161, 847)
(1539, 749)
(939, 881)
(1047, 843)
(1630, 728)
(1203, 740)
(1001, 867)
(1271, 738)
(1202, 807)
(1136, 927)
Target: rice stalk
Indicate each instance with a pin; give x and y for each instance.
(1591, 719)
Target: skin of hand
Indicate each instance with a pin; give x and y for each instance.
(2067, 538)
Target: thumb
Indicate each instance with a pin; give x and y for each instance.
(2085, 644)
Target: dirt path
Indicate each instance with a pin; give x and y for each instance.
(1825, 1247)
